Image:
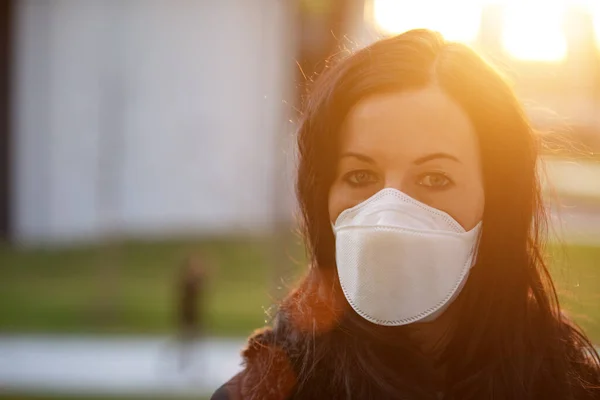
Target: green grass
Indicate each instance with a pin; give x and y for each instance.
(576, 273)
(130, 289)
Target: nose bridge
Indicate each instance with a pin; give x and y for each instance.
(397, 179)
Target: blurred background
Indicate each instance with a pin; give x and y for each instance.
(147, 172)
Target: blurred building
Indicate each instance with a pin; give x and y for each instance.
(175, 117)
(147, 117)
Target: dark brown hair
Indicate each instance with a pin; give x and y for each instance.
(511, 340)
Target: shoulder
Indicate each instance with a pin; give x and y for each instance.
(229, 391)
(255, 360)
(221, 394)
(268, 371)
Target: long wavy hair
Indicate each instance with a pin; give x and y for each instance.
(510, 339)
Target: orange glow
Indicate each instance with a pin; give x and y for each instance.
(594, 8)
(456, 20)
(533, 30)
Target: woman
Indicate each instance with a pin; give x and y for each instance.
(423, 220)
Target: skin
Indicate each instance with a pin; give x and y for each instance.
(422, 143)
(419, 142)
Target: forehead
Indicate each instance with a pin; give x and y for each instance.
(409, 124)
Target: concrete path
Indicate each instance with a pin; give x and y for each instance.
(114, 366)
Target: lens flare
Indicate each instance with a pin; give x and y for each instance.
(456, 20)
(534, 31)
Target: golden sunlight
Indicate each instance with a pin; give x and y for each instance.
(595, 10)
(456, 20)
(533, 30)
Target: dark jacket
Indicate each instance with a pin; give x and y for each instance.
(270, 374)
(229, 391)
(257, 380)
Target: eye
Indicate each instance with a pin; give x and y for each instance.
(361, 177)
(435, 181)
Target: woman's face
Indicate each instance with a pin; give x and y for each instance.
(419, 142)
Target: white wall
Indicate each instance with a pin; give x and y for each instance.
(149, 117)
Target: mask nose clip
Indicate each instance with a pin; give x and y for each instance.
(393, 206)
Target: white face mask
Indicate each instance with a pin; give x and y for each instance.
(400, 261)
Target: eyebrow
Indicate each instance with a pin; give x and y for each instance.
(358, 156)
(435, 156)
(418, 161)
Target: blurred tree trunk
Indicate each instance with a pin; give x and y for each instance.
(6, 38)
(322, 27)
